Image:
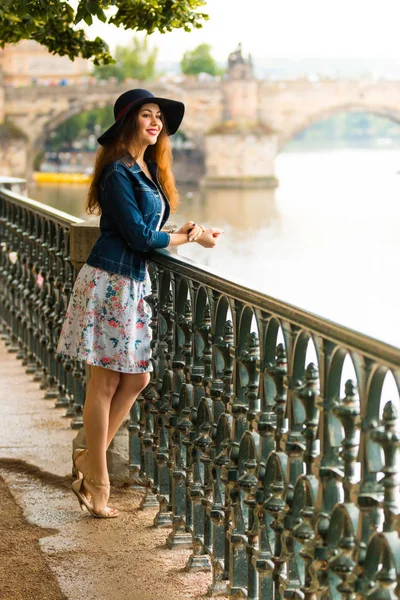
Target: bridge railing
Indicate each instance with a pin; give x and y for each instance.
(36, 279)
(280, 474)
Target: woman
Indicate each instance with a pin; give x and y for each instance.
(107, 320)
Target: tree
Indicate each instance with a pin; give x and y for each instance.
(66, 133)
(52, 24)
(137, 62)
(198, 61)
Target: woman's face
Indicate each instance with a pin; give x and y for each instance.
(149, 124)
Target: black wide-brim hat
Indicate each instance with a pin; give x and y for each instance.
(172, 111)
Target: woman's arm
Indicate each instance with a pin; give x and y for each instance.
(178, 239)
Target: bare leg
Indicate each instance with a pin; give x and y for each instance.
(101, 389)
(128, 390)
(129, 387)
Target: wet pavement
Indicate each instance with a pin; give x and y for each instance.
(117, 559)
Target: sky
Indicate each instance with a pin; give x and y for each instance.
(283, 29)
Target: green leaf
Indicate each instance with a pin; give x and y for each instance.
(101, 15)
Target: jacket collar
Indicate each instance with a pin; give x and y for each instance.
(135, 168)
(125, 160)
(153, 168)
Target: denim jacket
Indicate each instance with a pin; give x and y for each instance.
(131, 208)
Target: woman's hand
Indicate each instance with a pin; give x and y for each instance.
(209, 238)
(192, 230)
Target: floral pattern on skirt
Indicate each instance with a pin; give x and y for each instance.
(107, 321)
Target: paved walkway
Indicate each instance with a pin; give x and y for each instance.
(119, 559)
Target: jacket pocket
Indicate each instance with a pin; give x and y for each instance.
(145, 199)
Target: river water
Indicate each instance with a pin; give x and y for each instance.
(326, 240)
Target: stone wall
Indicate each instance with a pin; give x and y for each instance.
(189, 166)
(14, 157)
(241, 159)
(240, 100)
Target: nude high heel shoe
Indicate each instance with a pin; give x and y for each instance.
(88, 485)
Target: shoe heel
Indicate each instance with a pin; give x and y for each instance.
(76, 488)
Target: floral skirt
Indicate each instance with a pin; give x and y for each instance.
(107, 322)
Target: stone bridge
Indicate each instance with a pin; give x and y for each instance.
(240, 123)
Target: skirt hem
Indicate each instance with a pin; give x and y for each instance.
(133, 371)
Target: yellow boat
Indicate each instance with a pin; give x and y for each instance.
(42, 177)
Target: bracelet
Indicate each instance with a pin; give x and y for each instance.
(170, 227)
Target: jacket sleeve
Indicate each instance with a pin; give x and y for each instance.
(119, 198)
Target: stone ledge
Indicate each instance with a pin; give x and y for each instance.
(82, 239)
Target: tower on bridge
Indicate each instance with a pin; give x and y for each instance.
(238, 66)
(240, 150)
(239, 89)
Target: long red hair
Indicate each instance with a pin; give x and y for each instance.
(123, 146)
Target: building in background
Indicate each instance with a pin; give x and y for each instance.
(29, 63)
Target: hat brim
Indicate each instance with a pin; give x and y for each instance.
(172, 111)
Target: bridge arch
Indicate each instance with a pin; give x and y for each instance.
(307, 120)
(57, 119)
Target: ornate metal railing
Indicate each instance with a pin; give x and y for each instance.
(280, 475)
(36, 279)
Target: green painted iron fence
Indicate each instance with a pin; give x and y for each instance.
(279, 473)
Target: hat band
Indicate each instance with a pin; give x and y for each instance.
(124, 111)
